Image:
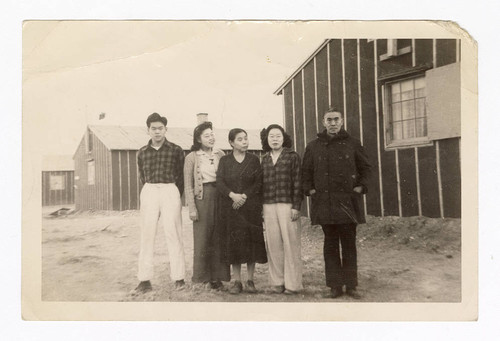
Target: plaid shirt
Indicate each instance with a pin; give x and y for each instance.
(164, 165)
(282, 181)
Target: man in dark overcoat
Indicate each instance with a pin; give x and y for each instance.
(335, 171)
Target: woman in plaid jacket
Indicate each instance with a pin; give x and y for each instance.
(282, 199)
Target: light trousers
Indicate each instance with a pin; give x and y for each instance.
(161, 201)
(283, 246)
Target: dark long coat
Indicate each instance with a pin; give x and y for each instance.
(333, 166)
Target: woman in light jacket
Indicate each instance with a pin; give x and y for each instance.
(200, 191)
(282, 195)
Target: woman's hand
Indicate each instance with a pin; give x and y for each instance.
(295, 214)
(193, 215)
(238, 199)
(358, 189)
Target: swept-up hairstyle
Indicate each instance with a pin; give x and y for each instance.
(233, 132)
(264, 134)
(155, 117)
(197, 133)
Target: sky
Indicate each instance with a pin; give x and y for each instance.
(75, 70)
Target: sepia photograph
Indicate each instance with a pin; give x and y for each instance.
(311, 168)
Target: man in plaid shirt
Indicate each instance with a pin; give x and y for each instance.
(160, 165)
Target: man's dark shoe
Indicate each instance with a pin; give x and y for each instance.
(251, 287)
(143, 287)
(353, 293)
(236, 288)
(290, 292)
(179, 285)
(337, 292)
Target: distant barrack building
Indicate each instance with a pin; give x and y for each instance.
(106, 173)
(57, 180)
(401, 98)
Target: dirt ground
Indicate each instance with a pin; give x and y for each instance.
(92, 256)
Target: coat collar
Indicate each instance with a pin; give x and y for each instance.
(284, 151)
(325, 138)
(165, 143)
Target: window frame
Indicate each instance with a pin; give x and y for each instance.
(387, 114)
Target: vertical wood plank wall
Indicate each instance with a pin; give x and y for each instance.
(65, 196)
(99, 195)
(418, 188)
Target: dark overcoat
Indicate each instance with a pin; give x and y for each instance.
(333, 166)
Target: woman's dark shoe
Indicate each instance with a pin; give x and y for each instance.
(216, 285)
(236, 288)
(337, 292)
(278, 289)
(143, 287)
(251, 287)
(179, 285)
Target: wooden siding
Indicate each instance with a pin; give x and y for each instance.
(65, 196)
(288, 102)
(428, 181)
(336, 87)
(410, 181)
(351, 87)
(322, 87)
(450, 174)
(97, 196)
(367, 89)
(125, 180)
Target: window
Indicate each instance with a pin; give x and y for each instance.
(393, 50)
(406, 119)
(56, 183)
(423, 107)
(91, 172)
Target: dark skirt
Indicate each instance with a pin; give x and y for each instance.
(207, 265)
(242, 233)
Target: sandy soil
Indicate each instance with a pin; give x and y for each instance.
(92, 256)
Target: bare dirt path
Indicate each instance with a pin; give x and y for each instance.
(93, 257)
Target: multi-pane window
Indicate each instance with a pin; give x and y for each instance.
(407, 119)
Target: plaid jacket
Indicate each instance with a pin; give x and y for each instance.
(282, 181)
(164, 165)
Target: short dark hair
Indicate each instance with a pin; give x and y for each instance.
(155, 117)
(233, 132)
(264, 134)
(197, 133)
(333, 109)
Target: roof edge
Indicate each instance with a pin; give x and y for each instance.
(285, 83)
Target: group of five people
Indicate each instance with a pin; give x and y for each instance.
(247, 211)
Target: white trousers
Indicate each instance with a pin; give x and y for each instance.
(283, 246)
(161, 201)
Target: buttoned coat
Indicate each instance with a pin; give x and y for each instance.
(334, 166)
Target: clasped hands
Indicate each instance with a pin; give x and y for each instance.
(238, 199)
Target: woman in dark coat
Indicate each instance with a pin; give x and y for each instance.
(239, 182)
